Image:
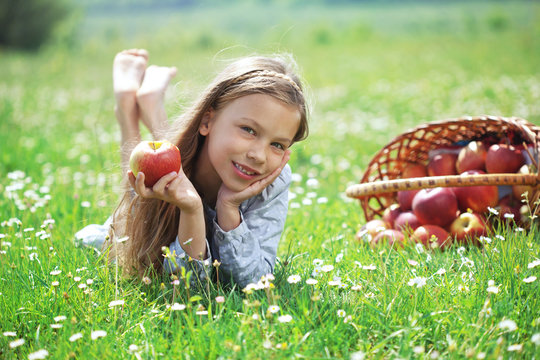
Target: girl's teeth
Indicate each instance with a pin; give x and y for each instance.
(244, 170)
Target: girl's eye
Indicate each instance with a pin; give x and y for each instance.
(278, 146)
(248, 130)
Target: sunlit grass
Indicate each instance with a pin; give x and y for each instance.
(373, 72)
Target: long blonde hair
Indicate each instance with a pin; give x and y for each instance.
(151, 224)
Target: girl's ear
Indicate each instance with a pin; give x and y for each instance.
(204, 127)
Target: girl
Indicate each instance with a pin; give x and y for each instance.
(228, 202)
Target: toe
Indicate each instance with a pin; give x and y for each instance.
(143, 53)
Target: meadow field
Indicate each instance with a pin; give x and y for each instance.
(372, 72)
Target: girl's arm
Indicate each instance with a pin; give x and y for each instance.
(176, 189)
(248, 251)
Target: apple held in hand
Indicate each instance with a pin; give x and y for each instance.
(154, 159)
(468, 227)
(437, 206)
(502, 158)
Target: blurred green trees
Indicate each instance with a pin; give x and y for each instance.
(27, 24)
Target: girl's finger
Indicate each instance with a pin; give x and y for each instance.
(140, 188)
(162, 183)
(131, 178)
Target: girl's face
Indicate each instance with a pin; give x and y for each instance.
(246, 140)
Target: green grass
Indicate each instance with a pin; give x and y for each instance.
(373, 72)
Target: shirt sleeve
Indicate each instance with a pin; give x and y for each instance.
(178, 258)
(249, 251)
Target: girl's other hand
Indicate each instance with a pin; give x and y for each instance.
(173, 188)
(226, 197)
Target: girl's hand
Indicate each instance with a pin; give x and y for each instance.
(228, 198)
(173, 188)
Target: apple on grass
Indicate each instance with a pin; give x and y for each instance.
(406, 222)
(442, 164)
(468, 227)
(476, 198)
(154, 159)
(390, 237)
(437, 206)
(503, 158)
(370, 230)
(432, 236)
(472, 157)
(391, 213)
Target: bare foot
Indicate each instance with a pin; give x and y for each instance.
(151, 98)
(128, 72)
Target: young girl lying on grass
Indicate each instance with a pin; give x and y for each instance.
(229, 200)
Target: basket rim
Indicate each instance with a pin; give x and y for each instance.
(530, 135)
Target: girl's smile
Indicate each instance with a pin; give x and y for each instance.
(245, 141)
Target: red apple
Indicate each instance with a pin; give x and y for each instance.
(371, 229)
(442, 164)
(509, 208)
(154, 159)
(502, 158)
(432, 236)
(406, 221)
(390, 236)
(476, 198)
(405, 198)
(519, 190)
(413, 171)
(437, 206)
(391, 213)
(468, 227)
(471, 157)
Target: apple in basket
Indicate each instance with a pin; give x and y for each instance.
(510, 208)
(437, 206)
(476, 198)
(468, 227)
(442, 164)
(414, 171)
(519, 190)
(370, 230)
(472, 157)
(154, 159)
(432, 236)
(405, 198)
(503, 158)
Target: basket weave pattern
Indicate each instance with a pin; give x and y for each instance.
(414, 146)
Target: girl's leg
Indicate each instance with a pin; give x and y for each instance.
(151, 99)
(128, 71)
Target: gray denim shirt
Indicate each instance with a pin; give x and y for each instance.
(246, 253)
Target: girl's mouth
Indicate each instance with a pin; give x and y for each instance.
(245, 170)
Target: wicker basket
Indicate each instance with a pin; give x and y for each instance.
(381, 181)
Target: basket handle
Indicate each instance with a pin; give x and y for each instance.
(389, 186)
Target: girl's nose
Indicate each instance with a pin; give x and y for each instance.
(256, 154)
